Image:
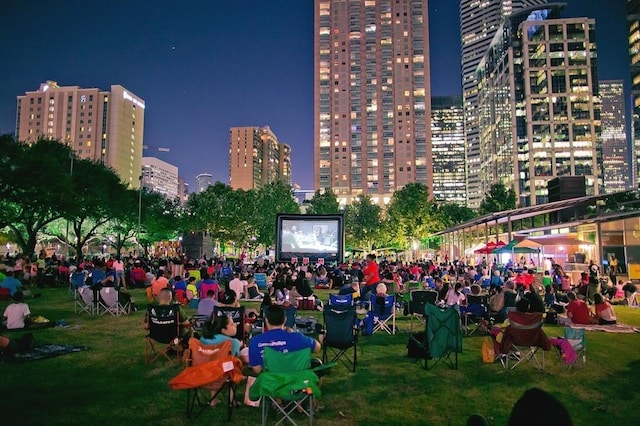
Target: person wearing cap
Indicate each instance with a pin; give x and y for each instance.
(16, 315)
(10, 282)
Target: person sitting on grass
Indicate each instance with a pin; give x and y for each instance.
(535, 301)
(277, 338)
(577, 310)
(206, 305)
(604, 311)
(251, 290)
(10, 347)
(192, 291)
(630, 294)
(17, 314)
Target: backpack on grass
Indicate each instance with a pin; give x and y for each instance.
(417, 346)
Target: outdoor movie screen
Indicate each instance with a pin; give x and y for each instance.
(300, 236)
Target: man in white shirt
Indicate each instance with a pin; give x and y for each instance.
(237, 285)
(17, 313)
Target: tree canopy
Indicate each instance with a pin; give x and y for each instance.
(323, 202)
(499, 198)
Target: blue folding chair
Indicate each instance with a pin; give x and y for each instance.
(382, 311)
(337, 300)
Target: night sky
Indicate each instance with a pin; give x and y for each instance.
(203, 66)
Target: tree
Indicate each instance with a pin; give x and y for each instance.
(160, 219)
(34, 187)
(124, 227)
(98, 196)
(273, 198)
(323, 202)
(452, 214)
(411, 215)
(363, 228)
(498, 199)
(228, 215)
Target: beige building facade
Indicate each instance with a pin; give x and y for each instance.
(256, 157)
(372, 98)
(102, 126)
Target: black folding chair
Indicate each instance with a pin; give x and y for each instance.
(341, 334)
(418, 299)
(163, 333)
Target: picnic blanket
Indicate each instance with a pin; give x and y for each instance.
(48, 350)
(613, 328)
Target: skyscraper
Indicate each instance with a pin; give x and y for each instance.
(160, 176)
(372, 97)
(479, 21)
(633, 22)
(257, 158)
(183, 190)
(104, 126)
(615, 163)
(447, 136)
(539, 112)
(203, 181)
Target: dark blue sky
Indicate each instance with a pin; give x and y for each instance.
(203, 66)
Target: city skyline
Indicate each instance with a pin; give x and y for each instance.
(216, 66)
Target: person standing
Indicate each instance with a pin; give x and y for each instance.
(371, 273)
(613, 268)
(118, 266)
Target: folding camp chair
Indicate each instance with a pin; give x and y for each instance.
(76, 280)
(210, 368)
(198, 322)
(418, 299)
(291, 313)
(572, 348)
(237, 315)
(109, 302)
(84, 301)
(382, 311)
(412, 285)
(473, 315)
(287, 383)
(443, 336)
(522, 340)
(340, 300)
(340, 335)
(163, 333)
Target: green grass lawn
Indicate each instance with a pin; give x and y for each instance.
(111, 384)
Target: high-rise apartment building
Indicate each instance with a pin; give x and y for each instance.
(257, 158)
(160, 176)
(479, 21)
(183, 190)
(372, 97)
(633, 22)
(615, 163)
(447, 136)
(104, 126)
(539, 112)
(203, 181)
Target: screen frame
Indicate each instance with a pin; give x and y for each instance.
(281, 256)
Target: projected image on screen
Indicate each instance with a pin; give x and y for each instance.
(309, 236)
(316, 236)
